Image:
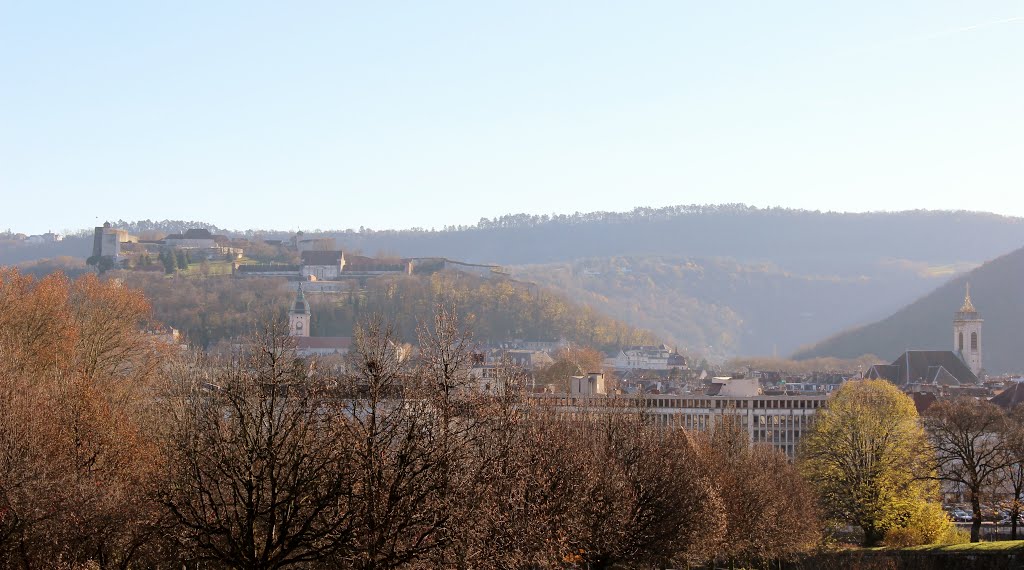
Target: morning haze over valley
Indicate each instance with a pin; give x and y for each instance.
(525, 286)
(783, 283)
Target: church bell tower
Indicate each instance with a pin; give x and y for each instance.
(298, 316)
(967, 334)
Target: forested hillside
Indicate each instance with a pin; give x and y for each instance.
(807, 242)
(812, 243)
(996, 289)
(720, 308)
(214, 309)
(720, 281)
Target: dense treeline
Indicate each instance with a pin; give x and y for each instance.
(210, 310)
(815, 243)
(117, 452)
(780, 287)
(120, 450)
(497, 310)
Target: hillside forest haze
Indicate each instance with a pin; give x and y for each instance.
(715, 281)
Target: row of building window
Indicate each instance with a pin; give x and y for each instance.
(679, 403)
(781, 431)
(770, 404)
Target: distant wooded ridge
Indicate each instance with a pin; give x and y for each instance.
(520, 220)
(796, 240)
(720, 281)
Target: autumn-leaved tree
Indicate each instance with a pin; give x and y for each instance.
(78, 466)
(869, 459)
(646, 498)
(761, 493)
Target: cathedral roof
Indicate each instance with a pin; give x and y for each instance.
(925, 367)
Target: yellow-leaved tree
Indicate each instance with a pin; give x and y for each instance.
(870, 461)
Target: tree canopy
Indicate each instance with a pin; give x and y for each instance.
(869, 459)
(499, 310)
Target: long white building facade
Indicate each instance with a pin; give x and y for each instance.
(779, 421)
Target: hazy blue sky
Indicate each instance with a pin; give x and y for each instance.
(303, 115)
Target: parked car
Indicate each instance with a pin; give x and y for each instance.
(1006, 520)
(960, 515)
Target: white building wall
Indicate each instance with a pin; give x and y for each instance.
(322, 272)
(298, 324)
(779, 421)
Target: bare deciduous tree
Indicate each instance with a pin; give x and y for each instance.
(398, 492)
(965, 433)
(1013, 473)
(260, 473)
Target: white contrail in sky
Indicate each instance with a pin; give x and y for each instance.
(1012, 20)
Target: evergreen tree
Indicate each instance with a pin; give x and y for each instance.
(169, 263)
(182, 259)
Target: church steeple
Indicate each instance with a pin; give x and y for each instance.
(968, 306)
(298, 316)
(967, 334)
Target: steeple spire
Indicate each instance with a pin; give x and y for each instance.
(968, 305)
(300, 305)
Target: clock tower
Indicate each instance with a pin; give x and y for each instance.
(298, 316)
(967, 334)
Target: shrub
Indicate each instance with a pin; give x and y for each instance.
(928, 524)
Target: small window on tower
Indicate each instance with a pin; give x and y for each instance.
(974, 341)
(960, 346)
